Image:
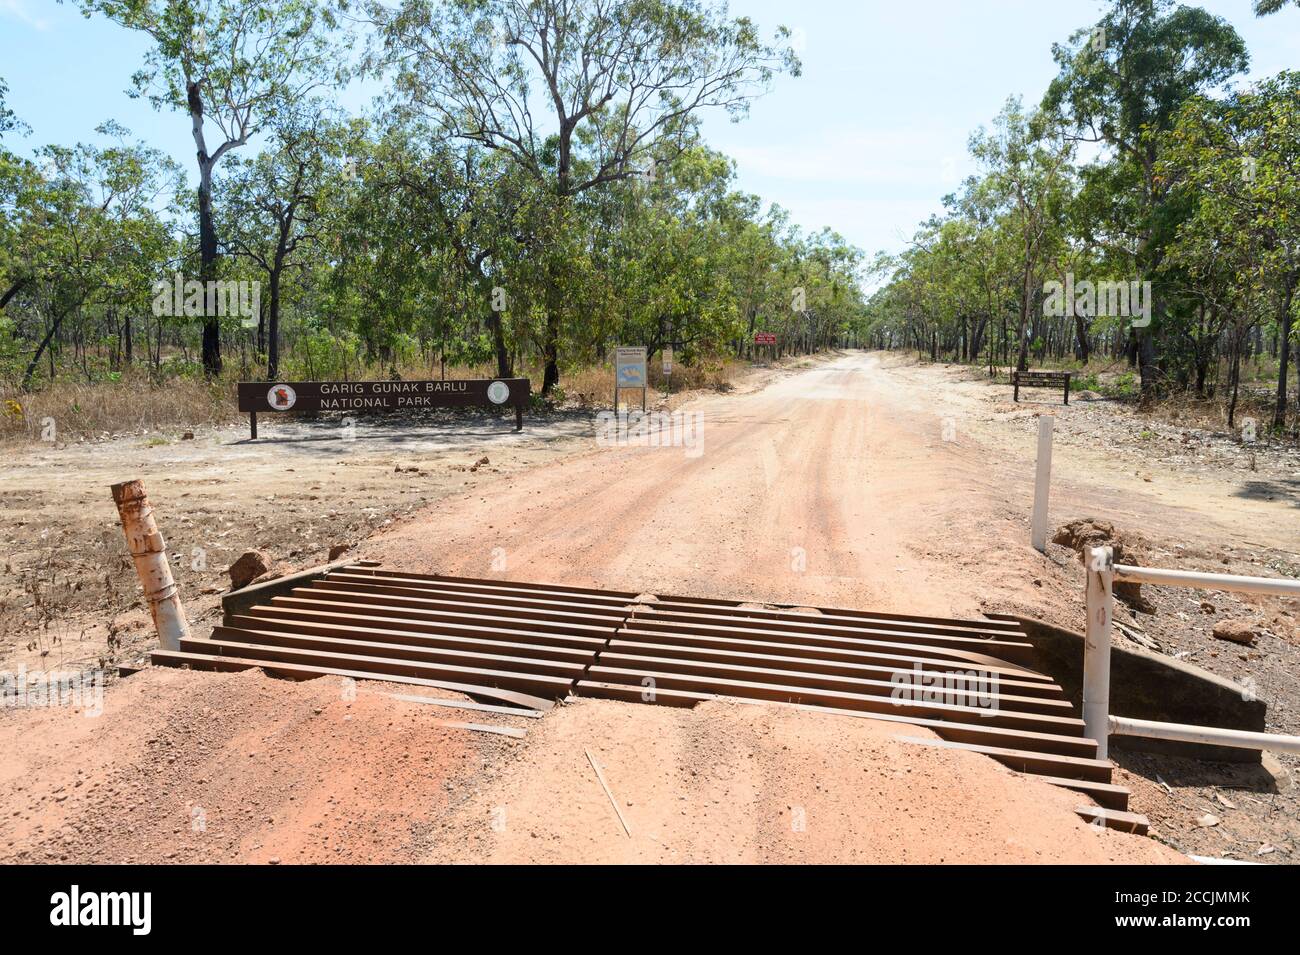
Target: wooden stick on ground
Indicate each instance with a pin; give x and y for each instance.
(605, 786)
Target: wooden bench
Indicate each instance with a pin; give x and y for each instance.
(1040, 379)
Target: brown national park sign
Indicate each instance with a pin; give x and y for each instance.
(266, 396)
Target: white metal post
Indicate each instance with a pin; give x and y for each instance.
(1042, 481)
(1096, 647)
(150, 555)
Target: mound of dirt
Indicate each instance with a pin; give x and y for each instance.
(738, 783)
(1084, 534)
(205, 767)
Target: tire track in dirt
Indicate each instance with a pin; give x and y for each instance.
(803, 463)
(848, 460)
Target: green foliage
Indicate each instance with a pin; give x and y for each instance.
(1190, 188)
(449, 227)
(8, 121)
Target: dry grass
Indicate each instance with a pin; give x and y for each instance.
(72, 410)
(593, 386)
(1116, 380)
(1211, 414)
(69, 410)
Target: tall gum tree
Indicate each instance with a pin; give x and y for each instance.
(1121, 84)
(1029, 175)
(229, 65)
(1237, 161)
(577, 93)
(273, 211)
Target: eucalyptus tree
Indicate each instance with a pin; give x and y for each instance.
(1029, 176)
(385, 269)
(961, 259)
(986, 254)
(273, 210)
(578, 94)
(230, 66)
(663, 244)
(1121, 85)
(754, 250)
(19, 183)
(89, 232)
(16, 178)
(136, 186)
(830, 276)
(1237, 162)
(484, 212)
(8, 121)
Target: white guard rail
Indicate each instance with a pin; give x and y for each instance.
(1102, 572)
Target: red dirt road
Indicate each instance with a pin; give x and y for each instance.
(735, 783)
(807, 490)
(833, 485)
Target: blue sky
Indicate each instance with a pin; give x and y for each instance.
(866, 141)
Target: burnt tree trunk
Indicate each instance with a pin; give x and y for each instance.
(504, 370)
(273, 326)
(30, 373)
(207, 231)
(1284, 325)
(1081, 335)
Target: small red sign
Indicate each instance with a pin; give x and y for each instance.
(764, 338)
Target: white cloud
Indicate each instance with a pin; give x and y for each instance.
(17, 10)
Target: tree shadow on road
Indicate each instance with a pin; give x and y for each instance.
(1286, 489)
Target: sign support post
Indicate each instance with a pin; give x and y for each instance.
(630, 371)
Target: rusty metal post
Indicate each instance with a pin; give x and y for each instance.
(150, 555)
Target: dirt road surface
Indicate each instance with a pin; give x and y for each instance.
(868, 481)
(67, 594)
(735, 783)
(857, 481)
(200, 767)
(848, 484)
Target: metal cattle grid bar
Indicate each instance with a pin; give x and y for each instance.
(529, 644)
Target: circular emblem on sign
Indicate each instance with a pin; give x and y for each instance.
(498, 392)
(281, 397)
